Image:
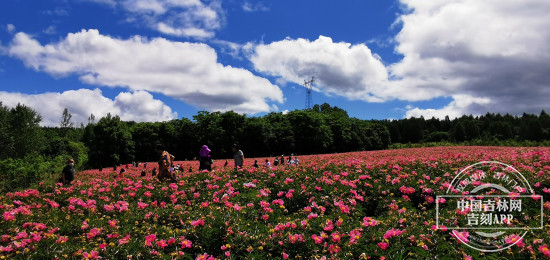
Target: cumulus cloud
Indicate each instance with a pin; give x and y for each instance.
(185, 71)
(340, 68)
(494, 50)
(139, 106)
(461, 104)
(183, 18)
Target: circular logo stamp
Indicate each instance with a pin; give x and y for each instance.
(489, 206)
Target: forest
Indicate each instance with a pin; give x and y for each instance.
(30, 153)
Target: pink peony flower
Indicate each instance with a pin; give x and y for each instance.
(185, 243)
(8, 216)
(124, 240)
(92, 255)
(461, 236)
(383, 245)
(392, 233)
(368, 221)
(196, 223)
(514, 239)
(544, 250)
(112, 223)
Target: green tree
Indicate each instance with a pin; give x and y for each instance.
(311, 134)
(232, 125)
(279, 133)
(145, 137)
(25, 132)
(255, 139)
(501, 130)
(186, 140)
(209, 132)
(413, 129)
(110, 142)
(6, 138)
(66, 119)
(459, 134)
(471, 129)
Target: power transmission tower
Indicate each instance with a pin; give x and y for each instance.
(308, 85)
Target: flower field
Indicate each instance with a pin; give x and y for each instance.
(363, 205)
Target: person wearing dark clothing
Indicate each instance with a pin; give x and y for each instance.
(68, 172)
(256, 164)
(205, 160)
(122, 171)
(275, 162)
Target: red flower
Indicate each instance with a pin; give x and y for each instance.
(91, 255)
(383, 245)
(544, 250)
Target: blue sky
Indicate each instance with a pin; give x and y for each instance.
(156, 60)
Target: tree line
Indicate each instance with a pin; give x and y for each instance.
(323, 129)
(28, 152)
(488, 128)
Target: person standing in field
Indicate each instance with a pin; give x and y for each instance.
(67, 176)
(238, 156)
(205, 163)
(165, 165)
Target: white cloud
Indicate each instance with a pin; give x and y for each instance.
(496, 50)
(10, 28)
(254, 7)
(50, 30)
(185, 71)
(339, 68)
(235, 50)
(461, 105)
(105, 2)
(190, 32)
(183, 18)
(138, 106)
(57, 11)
